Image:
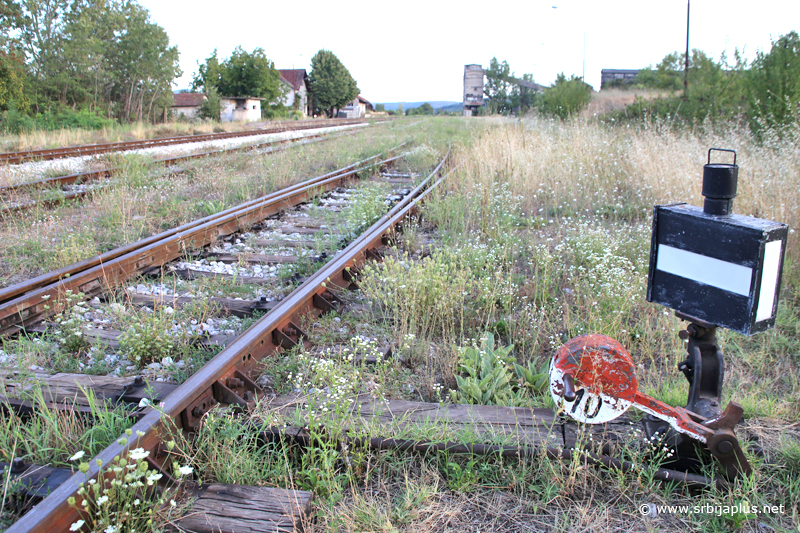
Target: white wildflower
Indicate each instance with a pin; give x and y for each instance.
(138, 454)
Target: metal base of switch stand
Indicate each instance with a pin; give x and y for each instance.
(704, 369)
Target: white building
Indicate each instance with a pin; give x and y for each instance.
(240, 108)
(296, 84)
(187, 104)
(357, 108)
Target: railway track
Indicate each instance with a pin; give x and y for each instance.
(275, 331)
(22, 156)
(73, 186)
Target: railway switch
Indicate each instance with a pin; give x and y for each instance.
(714, 269)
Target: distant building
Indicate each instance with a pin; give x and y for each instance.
(297, 88)
(187, 104)
(357, 108)
(240, 108)
(351, 110)
(473, 88)
(365, 105)
(610, 77)
(232, 108)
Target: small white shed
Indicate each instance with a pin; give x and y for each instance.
(240, 109)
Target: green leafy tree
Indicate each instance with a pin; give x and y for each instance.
(144, 65)
(249, 74)
(39, 26)
(92, 54)
(667, 75)
(774, 84)
(380, 108)
(332, 86)
(497, 87)
(12, 82)
(91, 32)
(211, 106)
(566, 97)
(715, 90)
(209, 74)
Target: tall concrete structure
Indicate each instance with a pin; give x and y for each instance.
(473, 88)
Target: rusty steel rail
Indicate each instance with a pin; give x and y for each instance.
(84, 177)
(212, 384)
(22, 156)
(29, 302)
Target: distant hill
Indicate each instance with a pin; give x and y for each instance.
(452, 108)
(392, 106)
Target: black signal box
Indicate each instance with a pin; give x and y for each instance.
(723, 269)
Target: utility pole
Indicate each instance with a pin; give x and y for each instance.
(686, 59)
(584, 57)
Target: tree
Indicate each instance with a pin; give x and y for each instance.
(497, 87)
(12, 82)
(332, 86)
(144, 65)
(522, 98)
(40, 26)
(716, 89)
(209, 74)
(380, 108)
(249, 74)
(774, 88)
(566, 97)
(91, 54)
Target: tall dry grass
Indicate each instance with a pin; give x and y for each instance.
(583, 167)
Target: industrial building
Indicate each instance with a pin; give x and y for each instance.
(609, 76)
(473, 89)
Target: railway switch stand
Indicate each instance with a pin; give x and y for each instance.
(714, 269)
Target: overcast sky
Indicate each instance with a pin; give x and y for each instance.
(416, 50)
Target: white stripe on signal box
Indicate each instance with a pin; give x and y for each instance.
(703, 269)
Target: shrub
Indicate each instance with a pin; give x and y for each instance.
(566, 97)
(15, 122)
